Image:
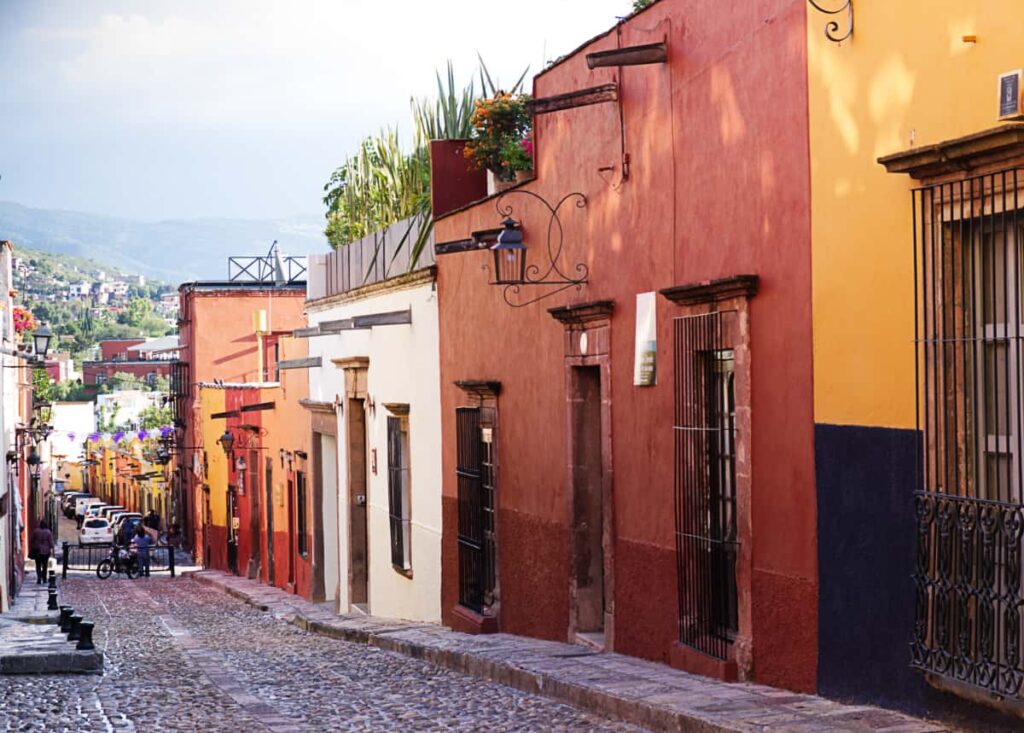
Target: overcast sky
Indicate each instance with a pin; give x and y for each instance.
(158, 109)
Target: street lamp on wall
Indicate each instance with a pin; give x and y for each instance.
(41, 341)
(227, 442)
(510, 252)
(34, 462)
(509, 255)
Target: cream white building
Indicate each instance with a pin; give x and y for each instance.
(374, 386)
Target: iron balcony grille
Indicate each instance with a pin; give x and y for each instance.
(398, 486)
(476, 512)
(705, 482)
(969, 266)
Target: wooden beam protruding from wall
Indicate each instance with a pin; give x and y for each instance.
(649, 53)
(571, 100)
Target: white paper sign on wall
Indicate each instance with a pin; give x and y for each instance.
(645, 363)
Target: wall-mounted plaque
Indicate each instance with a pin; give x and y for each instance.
(1010, 95)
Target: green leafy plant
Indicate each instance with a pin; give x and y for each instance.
(500, 124)
(639, 5)
(517, 155)
(383, 183)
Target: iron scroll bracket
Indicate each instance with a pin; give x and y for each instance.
(551, 272)
(832, 27)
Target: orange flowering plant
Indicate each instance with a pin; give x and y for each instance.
(501, 124)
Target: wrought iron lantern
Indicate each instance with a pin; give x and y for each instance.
(34, 461)
(511, 270)
(227, 442)
(41, 341)
(509, 255)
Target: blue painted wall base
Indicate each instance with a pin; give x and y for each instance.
(866, 530)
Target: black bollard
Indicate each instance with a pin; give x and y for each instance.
(65, 618)
(75, 630)
(85, 636)
(53, 580)
(51, 603)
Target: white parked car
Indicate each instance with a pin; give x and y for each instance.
(96, 531)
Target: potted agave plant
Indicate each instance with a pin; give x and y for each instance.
(501, 141)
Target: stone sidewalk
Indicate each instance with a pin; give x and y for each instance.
(32, 643)
(646, 693)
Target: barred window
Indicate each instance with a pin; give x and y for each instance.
(476, 494)
(301, 521)
(399, 496)
(969, 258)
(705, 476)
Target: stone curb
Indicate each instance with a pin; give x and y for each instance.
(388, 637)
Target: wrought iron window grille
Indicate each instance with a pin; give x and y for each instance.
(969, 502)
(832, 27)
(476, 524)
(511, 268)
(707, 543)
(398, 494)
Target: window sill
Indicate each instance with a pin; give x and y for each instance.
(974, 694)
(471, 622)
(690, 660)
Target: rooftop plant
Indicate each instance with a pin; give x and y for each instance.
(501, 131)
(384, 182)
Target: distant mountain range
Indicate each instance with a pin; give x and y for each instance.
(173, 251)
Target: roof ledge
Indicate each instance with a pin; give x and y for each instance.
(958, 154)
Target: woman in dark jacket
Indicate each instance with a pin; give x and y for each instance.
(41, 545)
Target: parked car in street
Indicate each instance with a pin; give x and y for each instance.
(68, 502)
(108, 511)
(96, 531)
(93, 510)
(83, 503)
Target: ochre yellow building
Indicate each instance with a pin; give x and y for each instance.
(901, 429)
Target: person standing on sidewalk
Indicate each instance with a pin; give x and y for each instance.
(142, 541)
(40, 549)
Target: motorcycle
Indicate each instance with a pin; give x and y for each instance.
(120, 561)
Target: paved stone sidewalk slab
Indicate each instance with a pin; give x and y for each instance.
(634, 690)
(31, 642)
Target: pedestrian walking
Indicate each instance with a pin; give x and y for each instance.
(142, 542)
(152, 520)
(174, 536)
(40, 549)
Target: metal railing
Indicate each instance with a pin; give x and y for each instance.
(87, 557)
(259, 269)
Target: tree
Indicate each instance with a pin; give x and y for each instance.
(106, 420)
(42, 385)
(123, 380)
(156, 417)
(639, 5)
(136, 312)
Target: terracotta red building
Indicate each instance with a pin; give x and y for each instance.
(629, 461)
(245, 507)
(122, 356)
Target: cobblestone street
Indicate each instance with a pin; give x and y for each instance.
(183, 657)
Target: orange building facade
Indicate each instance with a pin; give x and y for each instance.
(243, 436)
